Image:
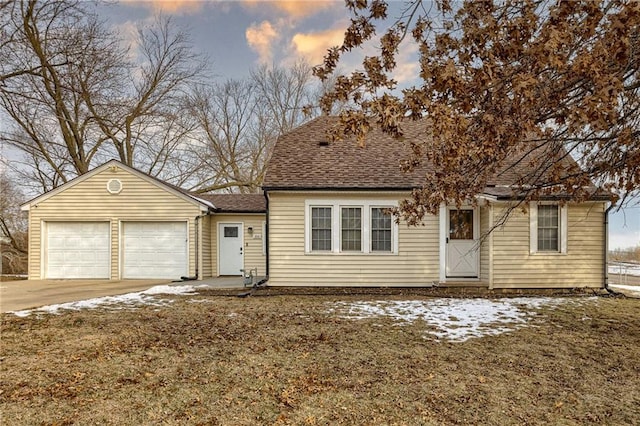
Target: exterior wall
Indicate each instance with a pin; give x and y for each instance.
(485, 246)
(89, 200)
(581, 266)
(206, 270)
(415, 264)
(254, 256)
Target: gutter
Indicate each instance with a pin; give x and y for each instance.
(339, 189)
(606, 248)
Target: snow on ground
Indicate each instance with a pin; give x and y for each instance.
(455, 320)
(628, 290)
(122, 301)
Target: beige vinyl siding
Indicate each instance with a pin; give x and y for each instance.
(206, 270)
(88, 200)
(416, 263)
(253, 252)
(581, 266)
(485, 213)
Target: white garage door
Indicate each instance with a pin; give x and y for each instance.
(154, 250)
(77, 250)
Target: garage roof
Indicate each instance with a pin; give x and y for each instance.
(236, 203)
(205, 205)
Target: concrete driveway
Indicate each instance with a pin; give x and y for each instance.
(26, 294)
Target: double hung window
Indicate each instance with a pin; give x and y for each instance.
(321, 219)
(342, 227)
(548, 228)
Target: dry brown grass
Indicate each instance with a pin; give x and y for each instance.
(285, 360)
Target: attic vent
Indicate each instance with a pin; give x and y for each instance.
(114, 186)
(323, 143)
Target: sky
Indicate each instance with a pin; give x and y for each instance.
(239, 35)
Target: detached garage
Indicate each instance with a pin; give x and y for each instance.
(116, 222)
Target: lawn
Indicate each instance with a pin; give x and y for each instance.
(356, 359)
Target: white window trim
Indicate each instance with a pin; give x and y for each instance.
(533, 229)
(336, 213)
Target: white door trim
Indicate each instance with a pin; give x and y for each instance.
(444, 227)
(218, 237)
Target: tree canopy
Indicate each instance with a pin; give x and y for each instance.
(76, 92)
(499, 80)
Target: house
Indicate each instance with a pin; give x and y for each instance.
(322, 221)
(116, 222)
(328, 223)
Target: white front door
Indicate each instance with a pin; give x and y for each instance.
(230, 249)
(462, 250)
(154, 250)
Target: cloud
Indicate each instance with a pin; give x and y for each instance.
(170, 6)
(293, 9)
(261, 38)
(313, 46)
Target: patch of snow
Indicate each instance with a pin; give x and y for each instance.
(631, 290)
(122, 301)
(171, 289)
(456, 320)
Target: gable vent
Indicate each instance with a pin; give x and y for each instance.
(114, 186)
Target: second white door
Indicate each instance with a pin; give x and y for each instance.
(462, 249)
(230, 249)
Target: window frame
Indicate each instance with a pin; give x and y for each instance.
(562, 228)
(331, 230)
(555, 214)
(336, 206)
(342, 249)
(371, 250)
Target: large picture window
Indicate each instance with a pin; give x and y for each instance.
(380, 230)
(351, 229)
(321, 228)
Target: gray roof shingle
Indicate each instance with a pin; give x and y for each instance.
(236, 203)
(303, 160)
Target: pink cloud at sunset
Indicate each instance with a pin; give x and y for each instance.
(260, 38)
(313, 46)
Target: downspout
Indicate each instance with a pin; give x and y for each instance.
(266, 235)
(606, 247)
(198, 225)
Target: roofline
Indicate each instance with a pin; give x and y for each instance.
(489, 197)
(153, 180)
(339, 189)
(594, 198)
(227, 211)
